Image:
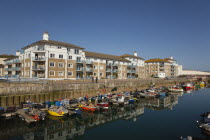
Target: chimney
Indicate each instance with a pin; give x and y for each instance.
(135, 53)
(171, 57)
(46, 36)
(17, 53)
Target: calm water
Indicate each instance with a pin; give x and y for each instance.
(160, 119)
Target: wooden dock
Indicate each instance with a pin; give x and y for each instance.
(21, 113)
(8, 115)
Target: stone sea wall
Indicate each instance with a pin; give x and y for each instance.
(15, 93)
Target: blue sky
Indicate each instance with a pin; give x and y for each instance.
(153, 28)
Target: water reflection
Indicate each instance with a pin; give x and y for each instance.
(72, 127)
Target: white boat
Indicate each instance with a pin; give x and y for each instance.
(175, 89)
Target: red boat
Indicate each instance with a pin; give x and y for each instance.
(89, 108)
(103, 105)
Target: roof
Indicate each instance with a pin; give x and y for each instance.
(1, 66)
(14, 57)
(157, 60)
(105, 56)
(54, 43)
(170, 59)
(132, 56)
(6, 56)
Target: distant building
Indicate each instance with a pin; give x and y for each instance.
(162, 68)
(1, 70)
(194, 73)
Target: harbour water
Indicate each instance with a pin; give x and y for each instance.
(157, 119)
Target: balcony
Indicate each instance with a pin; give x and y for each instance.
(16, 61)
(115, 64)
(16, 69)
(133, 71)
(8, 63)
(89, 69)
(38, 68)
(89, 62)
(38, 76)
(108, 70)
(79, 69)
(132, 66)
(115, 70)
(39, 49)
(39, 59)
(108, 64)
(80, 61)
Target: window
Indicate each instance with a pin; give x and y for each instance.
(76, 51)
(60, 73)
(60, 134)
(70, 57)
(60, 56)
(52, 64)
(52, 55)
(101, 74)
(60, 64)
(59, 47)
(52, 73)
(95, 67)
(101, 67)
(123, 68)
(68, 49)
(70, 73)
(94, 74)
(51, 136)
(70, 65)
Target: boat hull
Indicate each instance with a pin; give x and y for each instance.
(89, 108)
(56, 114)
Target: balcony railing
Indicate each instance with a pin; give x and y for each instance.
(89, 62)
(80, 61)
(8, 63)
(39, 59)
(79, 69)
(108, 64)
(16, 61)
(108, 70)
(133, 66)
(38, 68)
(38, 76)
(115, 70)
(16, 69)
(89, 69)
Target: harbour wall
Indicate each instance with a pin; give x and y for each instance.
(16, 93)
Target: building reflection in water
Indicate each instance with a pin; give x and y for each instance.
(55, 128)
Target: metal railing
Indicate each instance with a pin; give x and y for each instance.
(38, 68)
(89, 62)
(38, 58)
(16, 68)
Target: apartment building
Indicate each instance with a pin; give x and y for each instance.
(1, 70)
(136, 69)
(50, 59)
(162, 68)
(106, 66)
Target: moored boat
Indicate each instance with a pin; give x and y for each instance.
(90, 107)
(57, 111)
(175, 89)
(103, 105)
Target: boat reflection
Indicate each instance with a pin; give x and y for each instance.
(75, 126)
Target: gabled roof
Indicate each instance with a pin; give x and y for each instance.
(157, 60)
(53, 43)
(132, 56)
(6, 56)
(14, 57)
(105, 56)
(170, 59)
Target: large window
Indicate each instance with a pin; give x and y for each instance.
(70, 57)
(52, 73)
(60, 73)
(52, 64)
(70, 65)
(60, 65)
(70, 73)
(52, 55)
(76, 51)
(60, 56)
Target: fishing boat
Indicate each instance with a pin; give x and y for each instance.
(175, 89)
(188, 86)
(202, 84)
(148, 95)
(89, 107)
(103, 105)
(57, 111)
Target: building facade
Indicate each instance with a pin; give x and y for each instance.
(50, 59)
